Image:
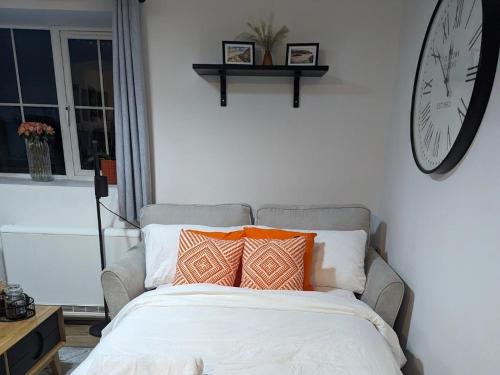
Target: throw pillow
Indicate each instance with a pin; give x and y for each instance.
(274, 264)
(202, 259)
(279, 234)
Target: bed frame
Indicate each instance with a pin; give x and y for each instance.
(124, 280)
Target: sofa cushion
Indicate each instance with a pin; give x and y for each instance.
(219, 215)
(327, 217)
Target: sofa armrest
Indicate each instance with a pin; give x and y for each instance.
(124, 280)
(384, 289)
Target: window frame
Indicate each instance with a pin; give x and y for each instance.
(64, 100)
(65, 36)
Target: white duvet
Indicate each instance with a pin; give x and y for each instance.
(225, 330)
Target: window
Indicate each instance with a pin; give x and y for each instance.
(64, 79)
(27, 93)
(89, 86)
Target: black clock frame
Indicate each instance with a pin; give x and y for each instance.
(488, 59)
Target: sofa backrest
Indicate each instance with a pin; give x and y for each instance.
(325, 217)
(218, 215)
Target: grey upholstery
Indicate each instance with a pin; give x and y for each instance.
(383, 289)
(328, 217)
(124, 280)
(220, 215)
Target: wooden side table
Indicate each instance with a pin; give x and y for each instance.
(28, 346)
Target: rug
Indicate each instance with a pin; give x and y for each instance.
(70, 358)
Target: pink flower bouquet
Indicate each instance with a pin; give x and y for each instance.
(35, 131)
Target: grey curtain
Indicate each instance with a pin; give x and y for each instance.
(131, 126)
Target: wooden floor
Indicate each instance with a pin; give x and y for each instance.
(77, 335)
(79, 343)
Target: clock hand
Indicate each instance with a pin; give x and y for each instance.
(447, 79)
(437, 56)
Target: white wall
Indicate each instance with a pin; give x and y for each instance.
(259, 149)
(442, 235)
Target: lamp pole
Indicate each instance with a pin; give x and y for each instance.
(101, 190)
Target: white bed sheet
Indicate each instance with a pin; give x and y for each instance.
(244, 331)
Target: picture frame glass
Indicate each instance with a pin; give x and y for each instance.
(302, 55)
(238, 54)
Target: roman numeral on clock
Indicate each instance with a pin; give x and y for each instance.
(427, 85)
(475, 37)
(449, 137)
(471, 74)
(435, 147)
(458, 14)
(446, 28)
(425, 116)
(462, 110)
(428, 136)
(470, 14)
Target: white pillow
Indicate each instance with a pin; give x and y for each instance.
(162, 244)
(338, 259)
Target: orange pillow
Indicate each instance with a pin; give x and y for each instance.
(274, 264)
(232, 236)
(202, 259)
(260, 233)
(229, 236)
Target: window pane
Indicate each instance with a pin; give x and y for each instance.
(50, 116)
(107, 71)
(85, 72)
(12, 148)
(36, 67)
(90, 126)
(110, 124)
(8, 83)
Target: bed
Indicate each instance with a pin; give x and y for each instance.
(216, 330)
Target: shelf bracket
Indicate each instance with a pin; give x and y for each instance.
(223, 93)
(296, 89)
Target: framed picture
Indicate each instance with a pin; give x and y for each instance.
(302, 54)
(238, 53)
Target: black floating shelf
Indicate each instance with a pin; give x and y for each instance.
(223, 71)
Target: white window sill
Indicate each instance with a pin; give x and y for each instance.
(58, 181)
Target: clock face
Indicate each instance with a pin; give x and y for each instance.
(445, 81)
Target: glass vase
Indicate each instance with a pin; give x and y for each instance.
(39, 160)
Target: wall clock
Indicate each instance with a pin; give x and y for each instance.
(454, 79)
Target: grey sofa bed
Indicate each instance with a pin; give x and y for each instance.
(124, 280)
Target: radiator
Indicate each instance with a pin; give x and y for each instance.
(61, 266)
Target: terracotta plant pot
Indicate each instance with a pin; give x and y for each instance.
(268, 58)
(108, 169)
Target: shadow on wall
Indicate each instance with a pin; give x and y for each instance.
(403, 321)
(328, 85)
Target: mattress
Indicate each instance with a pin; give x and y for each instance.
(244, 331)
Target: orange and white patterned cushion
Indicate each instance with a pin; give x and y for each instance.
(207, 260)
(273, 264)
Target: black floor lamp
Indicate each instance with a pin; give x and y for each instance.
(101, 190)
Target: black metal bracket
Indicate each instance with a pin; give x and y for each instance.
(223, 92)
(296, 89)
(295, 72)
